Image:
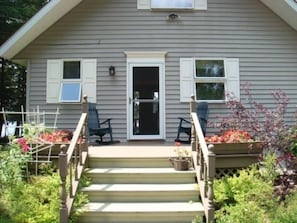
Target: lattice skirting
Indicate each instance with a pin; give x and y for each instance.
(220, 172)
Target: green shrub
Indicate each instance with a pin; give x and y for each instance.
(243, 198)
(34, 199)
(286, 212)
(250, 196)
(37, 201)
(13, 166)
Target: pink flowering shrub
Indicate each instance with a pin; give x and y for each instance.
(265, 124)
(23, 144)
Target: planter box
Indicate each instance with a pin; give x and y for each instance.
(236, 148)
(236, 155)
(46, 148)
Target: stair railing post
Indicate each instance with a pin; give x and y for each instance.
(211, 168)
(193, 131)
(63, 175)
(85, 133)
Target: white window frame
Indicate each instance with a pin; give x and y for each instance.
(222, 80)
(197, 5)
(170, 4)
(70, 81)
(188, 78)
(55, 80)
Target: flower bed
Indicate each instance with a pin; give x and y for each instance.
(234, 148)
(231, 136)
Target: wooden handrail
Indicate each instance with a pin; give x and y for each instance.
(204, 164)
(72, 161)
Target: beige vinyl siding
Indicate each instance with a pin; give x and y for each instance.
(265, 46)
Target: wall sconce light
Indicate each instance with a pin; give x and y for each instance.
(111, 71)
(173, 16)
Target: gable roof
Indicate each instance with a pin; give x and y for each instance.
(40, 22)
(286, 9)
(56, 9)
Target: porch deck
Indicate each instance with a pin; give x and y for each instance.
(135, 149)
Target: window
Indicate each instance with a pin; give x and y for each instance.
(208, 79)
(172, 4)
(71, 70)
(70, 92)
(68, 80)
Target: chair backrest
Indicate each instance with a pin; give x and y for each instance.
(202, 112)
(93, 117)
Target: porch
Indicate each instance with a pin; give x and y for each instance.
(156, 189)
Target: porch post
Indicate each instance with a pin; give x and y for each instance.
(85, 131)
(210, 180)
(63, 175)
(193, 131)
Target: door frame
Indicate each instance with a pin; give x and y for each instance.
(143, 61)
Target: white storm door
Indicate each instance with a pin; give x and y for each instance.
(146, 101)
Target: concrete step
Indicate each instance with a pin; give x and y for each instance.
(161, 212)
(140, 175)
(142, 192)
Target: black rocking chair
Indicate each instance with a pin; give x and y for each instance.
(185, 125)
(98, 128)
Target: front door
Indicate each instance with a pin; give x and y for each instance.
(145, 101)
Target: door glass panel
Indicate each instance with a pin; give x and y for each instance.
(146, 101)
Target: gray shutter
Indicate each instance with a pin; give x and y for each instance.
(186, 79)
(143, 4)
(232, 73)
(200, 4)
(53, 80)
(89, 73)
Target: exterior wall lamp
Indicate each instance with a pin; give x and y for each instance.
(111, 71)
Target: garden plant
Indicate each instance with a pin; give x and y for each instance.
(264, 124)
(25, 198)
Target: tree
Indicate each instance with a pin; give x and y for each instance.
(13, 14)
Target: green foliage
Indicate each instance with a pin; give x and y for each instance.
(80, 199)
(13, 14)
(248, 185)
(13, 166)
(292, 139)
(269, 170)
(286, 213)
(197, 219)
(243, 198)
(36, 199)
(249, 197)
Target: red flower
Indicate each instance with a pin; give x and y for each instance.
(230, 136)
(23, 143)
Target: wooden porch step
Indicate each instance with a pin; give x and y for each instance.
(142, 192)
(128, 162)
(161, 212)
(140, 175)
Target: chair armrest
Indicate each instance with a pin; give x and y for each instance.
(183, 120)
(106, 121)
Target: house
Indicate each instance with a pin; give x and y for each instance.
(140, 60)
